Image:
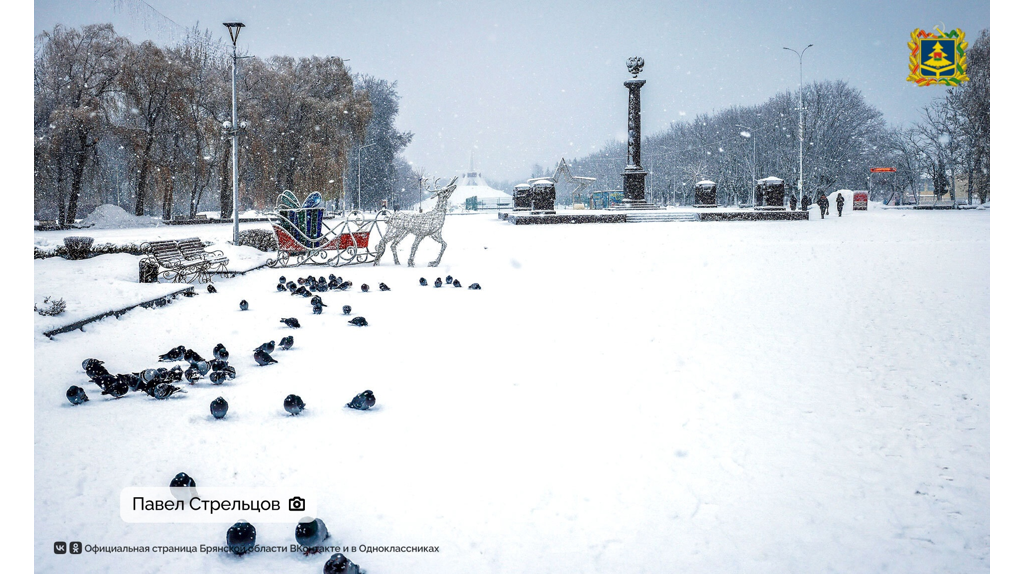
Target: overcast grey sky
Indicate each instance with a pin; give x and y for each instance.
(524, 82)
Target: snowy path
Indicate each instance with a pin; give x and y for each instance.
(734, 397)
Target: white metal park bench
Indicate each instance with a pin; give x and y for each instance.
(166, 260)
(193, 250)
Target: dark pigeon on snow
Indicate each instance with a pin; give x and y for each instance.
(263, 358)
(286, 343)
(268, 347)
(359, 321)
(281, 287)
(346, 309)
(76, 395)
(338, 564)
(456, 283)
(363, 401)
(437, 282)
(218, 408)
(384, 287)
(243, 305)
(175, 354)
(241, 537)
(211, 288)
(423, 281)
(220, 351)
(116, 388)
(448, 280)
(475, 287)
(311, 534)
(293, 404)
(364, 287)
(182, 480)
(164, 390)
(291, 322)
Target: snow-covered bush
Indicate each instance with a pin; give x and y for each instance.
(54, 307)
(259, 238)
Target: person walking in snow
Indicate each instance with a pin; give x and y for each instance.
(839, 204)
(805, 202)
(792, 203)
(823, 204)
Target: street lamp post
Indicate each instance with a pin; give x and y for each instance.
(753, 167)
(800, 55)
(233, 30)
(359, 176)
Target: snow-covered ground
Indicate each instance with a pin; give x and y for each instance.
(658, 397)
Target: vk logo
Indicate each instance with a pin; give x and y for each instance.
(60, 547)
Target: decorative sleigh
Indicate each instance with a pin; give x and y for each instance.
(302, 238)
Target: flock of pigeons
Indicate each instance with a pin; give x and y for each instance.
(159, 384)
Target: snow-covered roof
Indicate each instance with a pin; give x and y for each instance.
(470, 184)
(706, 182)
(772, 179)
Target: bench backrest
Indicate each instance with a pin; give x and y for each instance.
(166, 251)
(191, 248)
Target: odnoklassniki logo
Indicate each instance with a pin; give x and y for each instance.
(938, 58)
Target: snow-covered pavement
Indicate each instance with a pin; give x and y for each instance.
(656, 397)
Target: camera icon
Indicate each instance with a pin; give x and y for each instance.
(297, 504)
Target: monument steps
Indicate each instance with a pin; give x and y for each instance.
(645, 216)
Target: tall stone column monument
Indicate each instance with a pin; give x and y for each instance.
(634, 174)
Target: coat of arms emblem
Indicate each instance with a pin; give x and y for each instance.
(937, 58)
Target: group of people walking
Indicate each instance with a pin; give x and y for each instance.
(823, 203)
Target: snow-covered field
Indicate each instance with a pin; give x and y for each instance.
(658, 397)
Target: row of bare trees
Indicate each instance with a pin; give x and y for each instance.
(144, 126)
(843, 137)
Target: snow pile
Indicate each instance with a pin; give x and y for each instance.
(109, 216)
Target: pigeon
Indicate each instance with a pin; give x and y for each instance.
(268, 347)
(346, 309)
(192, 375)
(243, 305)
(423, 281)
(218, 408)
(317, 309)
(220, 351)
(182, 480)
(193, 357)
(293, 404)
(211, 288)
(175, 373)
(93, 362)
(338, 564)
(105, 381)
(301, 291)
(321, 279)
(384, 287)
(310, 279)
(116, 388)
(475, 287)
(364, 287)
(301, 280)
(217, 377)
(281, 287)
(363, 401)
(202, 367)
(359, 321)
(311, 534)
(241, 537)
(286, 343)
(149, 375)
(292, 286)
(175, 354)
(448, 280)
(189, 293)
(437, 282)
(291, 322)
(345, 285)
(333, 284)
(229, 371)
(218, 364)
(95, 368)
(164, 390)
(263, 358)
(282, 280)
(456, 283)
(317, 302)
(331, 277)
(76, 395)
